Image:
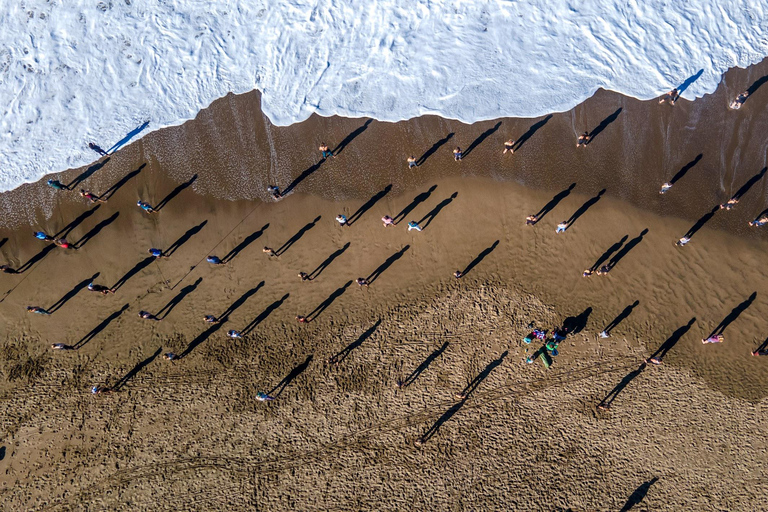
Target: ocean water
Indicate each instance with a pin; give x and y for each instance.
(110, 71)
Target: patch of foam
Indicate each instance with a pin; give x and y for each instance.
(86, 70)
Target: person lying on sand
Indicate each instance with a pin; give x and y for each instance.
(739, 101)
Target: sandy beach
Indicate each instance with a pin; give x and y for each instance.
(341, 434)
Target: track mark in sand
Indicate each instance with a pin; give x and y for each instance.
(246, 467)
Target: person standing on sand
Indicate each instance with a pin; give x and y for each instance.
(269, 251)
(561, 227)
(57, 185)
(42, 236)
(583, 140)
(411, 162)
(457, 154)
(97, 149)
(235, 335)
(730, 204)
(211, 319)
(388, 221)
(342, 220)
(763, 219)
(8, 270)
(509, 146)
(63, 243)
(100, 390)
(170, 356)
(100, 288)
(214, 260)
(684, 240)
(274, 192)
(157, 253)
(666, 186)
(325, 151)
(414, 225)
(145, 206)
(672, 96)
(739, 101)
(146, 315)
(91, 197)
(361, 281)
(304, 276)
(38, 310)
(531, 220)
(458, 274)
(302, 319)
(61, 346)
(263, 397)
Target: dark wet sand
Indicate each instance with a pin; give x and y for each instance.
(340, 437)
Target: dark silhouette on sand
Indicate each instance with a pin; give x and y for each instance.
(264, 314)
(487, 133)
(327, 302)
(427, 219)
(554, 202)
(128, 137)
(369, 204)
(278, 390)
(431, 151)
(416, 202)
(576, 324)
(174, 193)
(245, 243)
(603, 125)
(176, 300)
(71, 293)
(415, 374)
(607, 254)
(136, 369)
(102, 325)
(748, 185)
(87, 173)
(687, 167)
(638, 495)
(78, 220)
(349, 138)
(384, 266)
(295, 238)
(612, 394)
(319, 270)
(36, 258)
(301, 177)
(621, 317)
(184, 238)
(625, 250)
(527, 135)
(671, 342)
(125, 179)
(733, 315)
(700, 223)
(583, 208)
(239, 302)
(95, 230)
(344, 353)
(480, 257)
(135, 270)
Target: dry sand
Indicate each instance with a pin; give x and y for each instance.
(189, 434)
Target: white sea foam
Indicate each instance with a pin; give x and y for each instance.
(74, 71)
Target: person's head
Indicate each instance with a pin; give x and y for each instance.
(82, 192)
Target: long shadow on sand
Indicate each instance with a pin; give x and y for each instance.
(71, 293)
(349, 138)
(583, 208)
(184, 238)
(533, 129)
(413, 204)
(625, 250)
(295, 238)
(700, 223)
(245, 243)
(638, 495)
(327, 302)
(487, 133)
(554, 202)
(125, 179)
(603, 125)
(278, 390)
(431, 151)
(176, 300)
(733, 315)
(671, 342)
(415, 374)
(87, 173)
(319, 270)
(429, 217)
(344, 353)
(79, 220)
(102, 325)
(480, 257)
(167, 199)
(388, 263)
(36, 258)
(607, 254)
(612, 394)
(576, 324)
(687, 167)
(240, 301)
(750, 183)
(621, 317)
(135, 270)
(369, 204)
(136, 369)
(264, 314)
(95, 230)
(301, 177)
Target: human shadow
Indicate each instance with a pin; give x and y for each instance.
(203, 336)
(638, 495)
(78, 220)
(733, 315)
(176, 300)
(671, 341)
(125, 179)
(754, 179)
(576, 324)
(487, 133)
(245, 243)
(431, 151)
(301, 177)
(36, 258)
(474, 383)
(554, 202)
(447, 415)
(612, 394)
(415, 374)
(240, 301)
(87, 173)
(607, 254)
(184, 238)
(583, 208)
(621, 317)
(135, 270)
(278, 390)
(102, 325)
(349, 138)
(369, 204)
(429, 217)
(344, 353)
(327, 302)
(603, 125)
(762, 349)
(687, 167)
(319, 270)
(264, 314)
(682, 87)
(295, 238)
(95, 230)
(388, 263)
(480, 257)
(3, 241)
(136, 369)
(700, 223)
(413, 204)
(71, 293)
(527, 135)
(625, 250)
(2, 452)
(128, 137)
(174, 193)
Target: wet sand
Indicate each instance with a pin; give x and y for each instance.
(190, 434)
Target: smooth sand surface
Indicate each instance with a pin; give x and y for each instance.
(341, 435)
